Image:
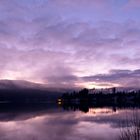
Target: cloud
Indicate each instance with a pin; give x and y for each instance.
(126, 78)
(59, 51)
(132, 4)
(58, 46)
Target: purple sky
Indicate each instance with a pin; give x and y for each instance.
(70, 43)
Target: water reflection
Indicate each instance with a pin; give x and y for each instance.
(45, 122)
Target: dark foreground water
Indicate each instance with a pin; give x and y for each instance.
(50, 122)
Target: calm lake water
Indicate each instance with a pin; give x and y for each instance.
(54, 123)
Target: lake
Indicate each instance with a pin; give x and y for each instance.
(53, 122)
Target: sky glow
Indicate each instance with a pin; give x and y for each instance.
(70, 43)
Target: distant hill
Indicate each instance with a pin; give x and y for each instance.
(25, 91)
(20, 84)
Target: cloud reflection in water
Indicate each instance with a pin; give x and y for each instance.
(57, 124)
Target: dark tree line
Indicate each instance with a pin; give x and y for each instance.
(102, 99)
